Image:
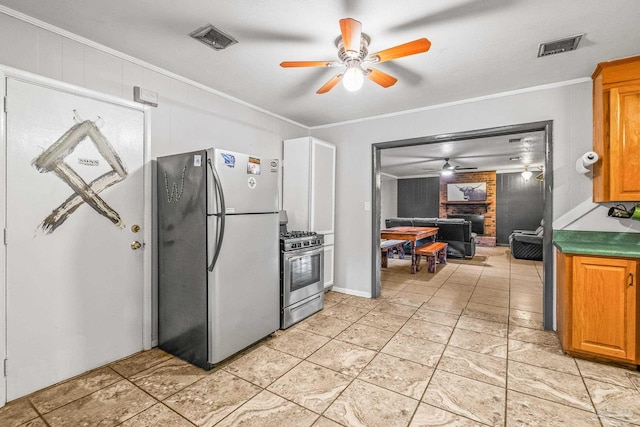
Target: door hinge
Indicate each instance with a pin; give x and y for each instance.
(5, 236)
(6, 103)
(6, 364)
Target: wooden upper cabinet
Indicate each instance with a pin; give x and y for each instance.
(616, 130)
(603, 306)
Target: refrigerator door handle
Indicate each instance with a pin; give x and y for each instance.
(220, 216)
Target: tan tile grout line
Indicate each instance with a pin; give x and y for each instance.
(506, 358)
(449, 339)
(122, 378)
(370, 361)
(435, 368)
(361, 370)
(40, 416)
(157, 401)
(595, 408)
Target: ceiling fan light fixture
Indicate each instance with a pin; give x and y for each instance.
(446, 172)
(353, 78)
(526, 175)
(353, 49)
(447, 166)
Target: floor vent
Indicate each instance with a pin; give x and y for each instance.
(213, 37)
(559, 46)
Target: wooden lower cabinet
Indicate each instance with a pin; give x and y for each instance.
(598, 306)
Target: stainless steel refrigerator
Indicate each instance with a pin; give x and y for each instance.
(218, 253)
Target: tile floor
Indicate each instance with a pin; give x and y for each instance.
(461, 347)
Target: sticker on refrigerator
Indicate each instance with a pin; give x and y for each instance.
(274, 165)
(229, 159)
(253, 167)
(197, 160)
(251, 182)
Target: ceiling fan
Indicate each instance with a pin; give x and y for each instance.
(448, 167)
(354, 55)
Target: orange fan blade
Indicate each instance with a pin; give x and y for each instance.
(289, 64)
(330, 84)
(411, 48)
(383, 79)
(351, 34)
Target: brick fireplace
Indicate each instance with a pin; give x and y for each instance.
(486, 208)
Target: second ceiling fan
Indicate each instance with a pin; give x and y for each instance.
(354, 56)
(448, 167)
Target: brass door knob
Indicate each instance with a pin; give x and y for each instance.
(136, 245)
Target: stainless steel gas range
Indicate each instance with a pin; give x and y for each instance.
(301, 275)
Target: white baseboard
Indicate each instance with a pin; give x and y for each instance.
(351, 292)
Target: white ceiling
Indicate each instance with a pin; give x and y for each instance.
(486, 154)
(479, 47)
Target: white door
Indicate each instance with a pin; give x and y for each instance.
(74, 199)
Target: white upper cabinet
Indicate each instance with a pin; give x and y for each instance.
(308, 190)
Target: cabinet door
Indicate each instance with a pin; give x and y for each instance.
(624, 162)
(604, 306)
(323, 161)
(296, 188)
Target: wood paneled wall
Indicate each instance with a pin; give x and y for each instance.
(520, 204)
(418, 197)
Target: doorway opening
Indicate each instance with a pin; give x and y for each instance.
(545, 129)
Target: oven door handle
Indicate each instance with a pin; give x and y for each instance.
(302, 252)
(220, 216)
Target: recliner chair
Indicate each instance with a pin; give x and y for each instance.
(527, 244)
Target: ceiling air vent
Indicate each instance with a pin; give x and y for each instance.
(559, 46)
(213, 37)
(516, 140)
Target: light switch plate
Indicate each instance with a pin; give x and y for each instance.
(367, 206)
(145, 96)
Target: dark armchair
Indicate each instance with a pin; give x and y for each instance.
(526, 244)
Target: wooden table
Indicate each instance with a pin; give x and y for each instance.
(413, 234)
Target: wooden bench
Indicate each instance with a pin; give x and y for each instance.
(431, 251)
(387, 246)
